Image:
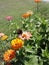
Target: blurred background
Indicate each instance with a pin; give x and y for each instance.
(16, 8)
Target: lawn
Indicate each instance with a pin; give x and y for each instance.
(14, 8)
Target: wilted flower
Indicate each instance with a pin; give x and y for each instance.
(17, 43)
(19, 31)
(1, 34)
(9, 18)
(37, 1)
(29, 12)
(4, 37)
(9, 55)
(25, 35)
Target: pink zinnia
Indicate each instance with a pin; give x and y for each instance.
(1, 34)
(25, 35)
(9, 18)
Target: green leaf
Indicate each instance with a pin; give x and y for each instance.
(32, 61)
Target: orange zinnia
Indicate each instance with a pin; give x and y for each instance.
(37, 1)
(26, 15)
(17, 43)
(9, 55)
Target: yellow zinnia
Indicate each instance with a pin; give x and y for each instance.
(17, 43)
(4, 37)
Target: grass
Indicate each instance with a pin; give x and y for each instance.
(14, 8)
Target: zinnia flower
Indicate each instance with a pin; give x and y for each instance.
(17, 43)
(26, 15)
(25, 35)
(9, 18)
(1, 34)
(37, 1)
(4, 37)
(29, 12)
(9, 55)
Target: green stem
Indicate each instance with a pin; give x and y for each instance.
(37, 7)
